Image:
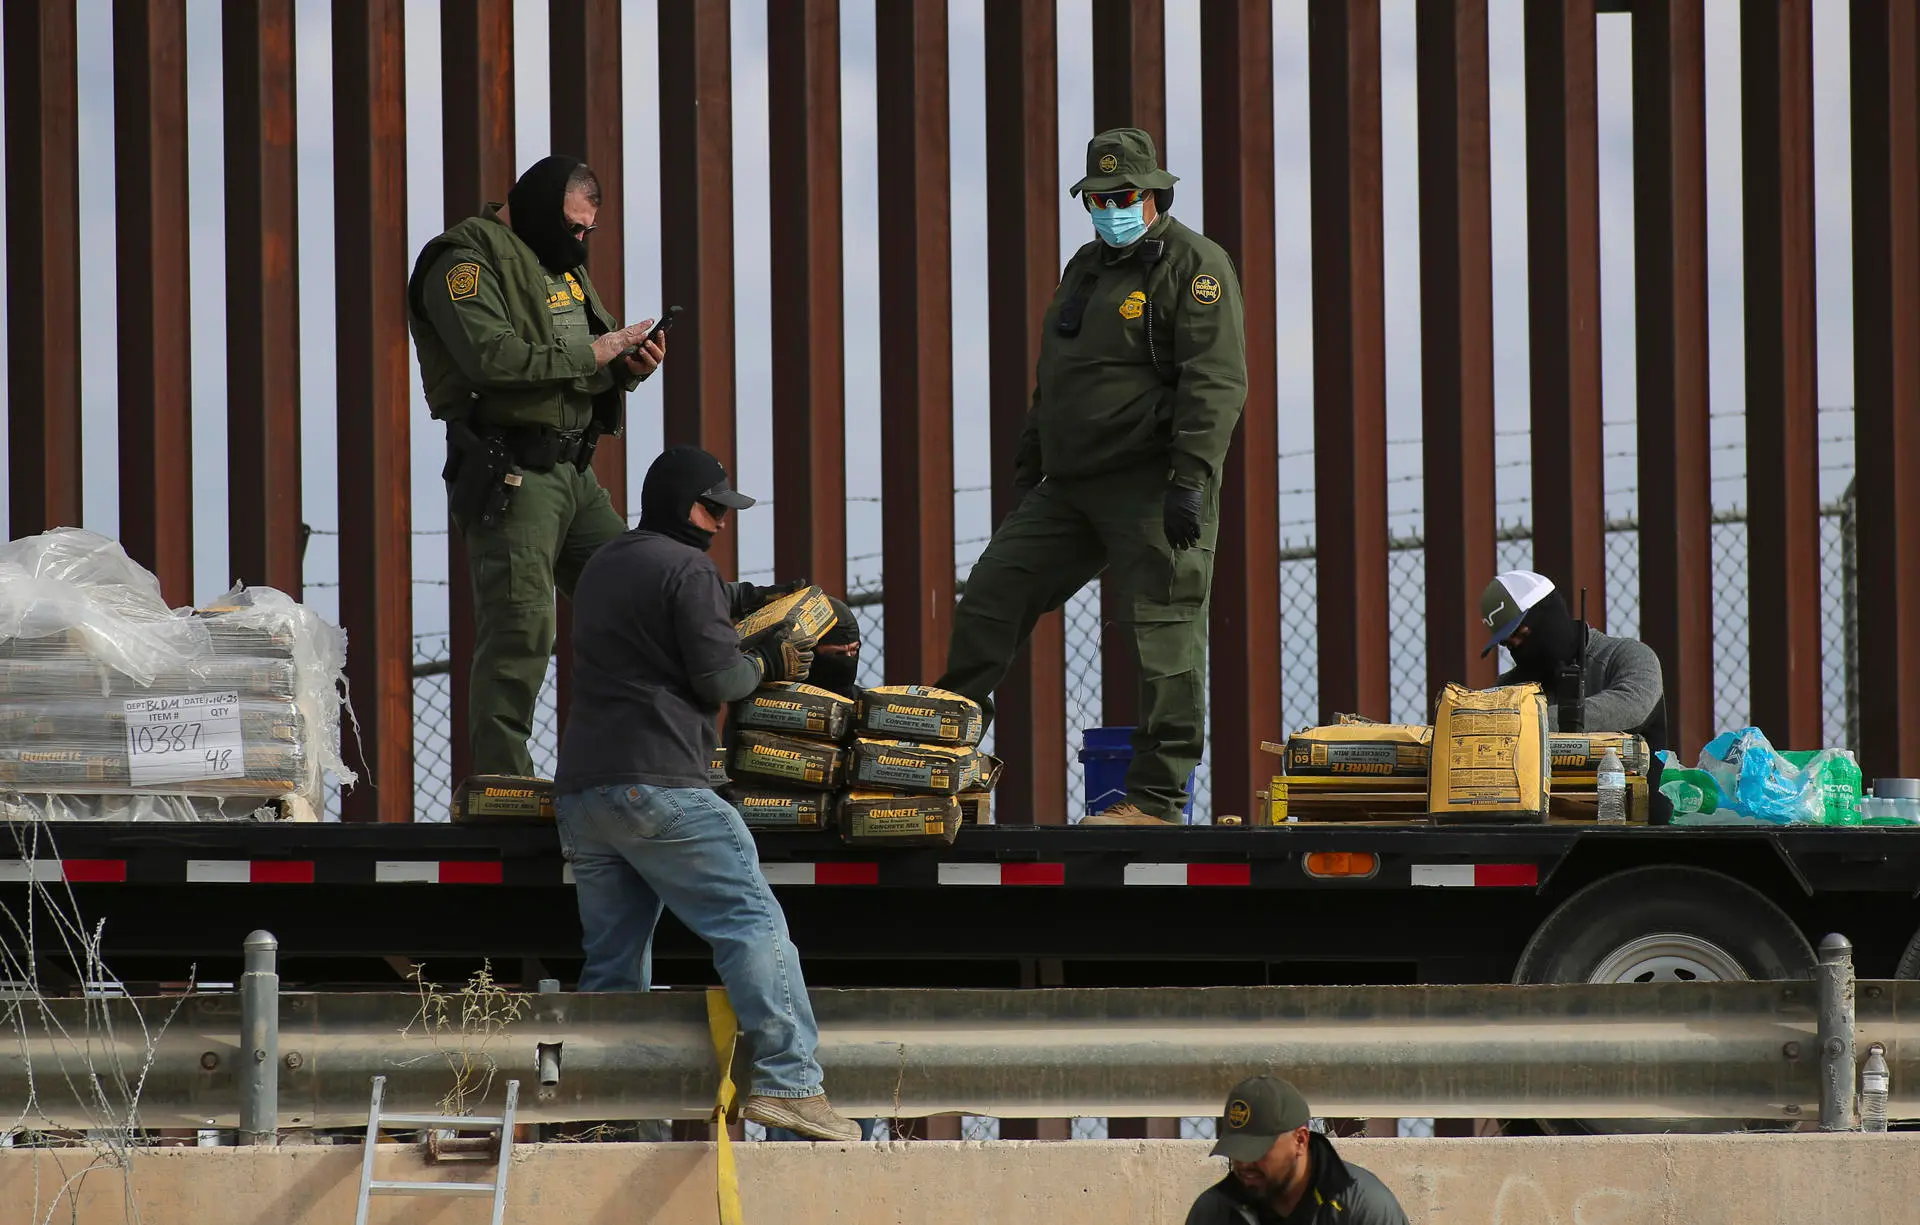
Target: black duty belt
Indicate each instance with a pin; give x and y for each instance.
(538, 448)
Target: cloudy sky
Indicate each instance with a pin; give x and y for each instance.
(757, 315)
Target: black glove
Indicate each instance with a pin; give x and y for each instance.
(783, 660)
(753, 598)
(1180, 516)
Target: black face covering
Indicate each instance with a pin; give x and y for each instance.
(674, 482)
(1553, 639)
(839, 672)
(536, 207)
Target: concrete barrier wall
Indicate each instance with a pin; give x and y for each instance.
(1717, 1180)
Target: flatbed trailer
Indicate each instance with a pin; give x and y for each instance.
(1005, 905)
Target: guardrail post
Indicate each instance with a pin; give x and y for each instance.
(1835, 981)
(260, 1041)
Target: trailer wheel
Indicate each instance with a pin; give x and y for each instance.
(1909, 966)
(1664, 924)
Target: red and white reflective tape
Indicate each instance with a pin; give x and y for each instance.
(829, 873)
(250, 871)
(1003, 874)
(436, 872)
(1188, 874)
(1477, 875)
(72, 871)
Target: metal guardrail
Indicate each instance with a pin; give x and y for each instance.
(1773, 1052)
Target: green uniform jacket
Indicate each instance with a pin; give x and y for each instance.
(1101, 401)
(494, 330)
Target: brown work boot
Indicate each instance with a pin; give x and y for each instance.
(1125, 814)
(810, 1116)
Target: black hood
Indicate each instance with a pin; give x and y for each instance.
(1553, 640)
(536, 207)
(679, 477)
(839, 673)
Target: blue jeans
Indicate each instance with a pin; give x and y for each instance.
(636, 849)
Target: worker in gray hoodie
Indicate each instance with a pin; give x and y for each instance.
(1624, 691)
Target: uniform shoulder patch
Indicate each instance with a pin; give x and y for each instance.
(463, 281)
(1206, 289)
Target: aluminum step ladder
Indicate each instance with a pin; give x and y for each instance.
(502, 1127)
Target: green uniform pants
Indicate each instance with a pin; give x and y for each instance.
(557, 520)
(1064, 534)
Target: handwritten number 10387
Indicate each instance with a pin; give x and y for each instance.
(167, 738)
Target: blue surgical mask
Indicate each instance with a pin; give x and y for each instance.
(1121, 227)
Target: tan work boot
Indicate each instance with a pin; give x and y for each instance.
(1125, 814)
(810, 1116)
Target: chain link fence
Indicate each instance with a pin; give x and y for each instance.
(1725, 583)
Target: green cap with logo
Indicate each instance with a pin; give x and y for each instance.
(1260, 1110)
(1122, 157)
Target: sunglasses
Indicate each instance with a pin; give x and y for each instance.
(1125, 198)
(715, 509)
(581, 231)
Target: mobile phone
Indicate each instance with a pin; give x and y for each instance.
(660, 328)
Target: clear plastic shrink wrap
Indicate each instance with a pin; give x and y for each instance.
(115, 707)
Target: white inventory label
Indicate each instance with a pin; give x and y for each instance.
(184, 738)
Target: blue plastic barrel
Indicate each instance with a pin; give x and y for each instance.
(1105, 754)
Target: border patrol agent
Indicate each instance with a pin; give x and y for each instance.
(523, 363)
(1141, 379)
(1281, 1171)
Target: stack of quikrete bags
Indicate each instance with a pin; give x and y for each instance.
(914, 773)
(786, 742)
(1487, 757)
(1576, 772)
(1352, 769)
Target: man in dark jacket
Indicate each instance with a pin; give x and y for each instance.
(657, 658)
(1624, 692)
(1281, 1172)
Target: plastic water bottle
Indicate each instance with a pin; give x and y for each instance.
(1612, 789)
(1874, 1080)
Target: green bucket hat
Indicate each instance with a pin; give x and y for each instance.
(1122, 157)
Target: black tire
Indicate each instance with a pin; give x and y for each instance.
(1579, 936)
(1714, 919)
(1909, 966)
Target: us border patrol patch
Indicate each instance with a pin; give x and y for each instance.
(1109, 164)
(1238, 1113)
(1206, 290)
(1134, 306)
(463, 281)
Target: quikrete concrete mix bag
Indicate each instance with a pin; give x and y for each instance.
(801, 617)
(766, 808)
(488, 798)
(881, 817)
(717, 769)
(803, 710)
(1355, 747)
(1490, 754)
(764, 757)
(1580, 753)
(920, 713)
(899, 765)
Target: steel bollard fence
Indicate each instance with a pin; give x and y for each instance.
(260, 1039)
(1835, 981)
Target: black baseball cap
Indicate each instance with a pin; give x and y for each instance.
(1260, 1109)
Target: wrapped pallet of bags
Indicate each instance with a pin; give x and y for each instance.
(115, 706)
